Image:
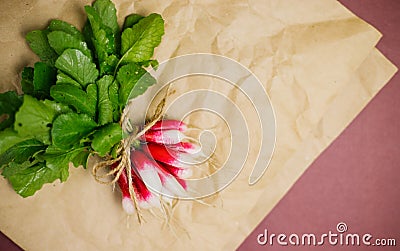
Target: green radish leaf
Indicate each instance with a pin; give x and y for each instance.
(108, 14)
(58, 108)
(59, 159)
(10, 102)
(114, 150)
(87, 33)
(104, 40)
(44, 76)
(59, 25)
(63, 78)
(79, 66)
(105, 138)
(27, 178)
(9, 138)
(89, 77)
(153, 63)
(105, 115)
(113, 94)
(68, 129)
(131, 20)
(27, 80)
(105, 34)
(39, 44)
(108, 65)
(138, 42)
(21, 151)
(102, 34)
(133, 81)
(60, 41)
(92, 92)
(75, 97)
(35, 118)
(104, 44)
(81, 159)
(141, 86)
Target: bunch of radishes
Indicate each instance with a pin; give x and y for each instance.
(159, 166)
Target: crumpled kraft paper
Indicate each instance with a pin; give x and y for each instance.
(316, 60)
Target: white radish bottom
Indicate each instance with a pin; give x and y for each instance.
(151, 202)
(128, 205)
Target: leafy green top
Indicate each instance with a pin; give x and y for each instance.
(74, 97)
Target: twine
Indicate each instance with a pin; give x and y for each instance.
(123, 153)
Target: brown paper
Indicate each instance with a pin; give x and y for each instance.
(316, 60)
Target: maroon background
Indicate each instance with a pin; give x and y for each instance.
(356, 179)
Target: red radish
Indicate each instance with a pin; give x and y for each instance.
(163, 136)
(182, 182)
(186, 147)
(168, 156)
(170, 183)
(169, 125)
(146, 199)
(154, 176)
(181, 173)
(147, 169)
(127, 202)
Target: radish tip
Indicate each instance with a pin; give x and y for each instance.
(128, 206)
